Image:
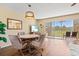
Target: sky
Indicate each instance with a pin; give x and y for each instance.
(66, 23)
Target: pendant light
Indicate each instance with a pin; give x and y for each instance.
(29, 14)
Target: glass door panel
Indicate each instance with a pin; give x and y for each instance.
(59, 28)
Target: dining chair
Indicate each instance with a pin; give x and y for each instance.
(21, 33)
(16, 43)
(38, 43)
(68, 34)
(67, 37)
(74, 34)
(74, 37)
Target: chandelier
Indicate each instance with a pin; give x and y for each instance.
(29, 14)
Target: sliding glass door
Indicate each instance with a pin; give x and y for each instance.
(59, 28)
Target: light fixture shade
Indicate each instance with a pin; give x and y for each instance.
(29, 15)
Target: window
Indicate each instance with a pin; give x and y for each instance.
(59, 28)
(34, 28)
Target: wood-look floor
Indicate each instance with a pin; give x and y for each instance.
(52, 47)
(9, 51)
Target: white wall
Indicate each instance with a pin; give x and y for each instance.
(5, 13)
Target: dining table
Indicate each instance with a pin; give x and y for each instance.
(29, 36)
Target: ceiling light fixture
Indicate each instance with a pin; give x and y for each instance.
(29, 14)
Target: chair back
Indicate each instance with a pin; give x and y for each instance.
(39, 42)
(68, 34)
(41, 39)
(74, 34)
(15, 41)
(21, 33)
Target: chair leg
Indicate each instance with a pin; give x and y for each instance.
(40, 50)
(21, 52)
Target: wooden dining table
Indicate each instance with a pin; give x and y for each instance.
(29, 36)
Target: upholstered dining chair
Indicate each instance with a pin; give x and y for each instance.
(67, 37)
(74, 34)
(21, 33)
(74, 37)
(38, 43)
(16, 43)
(68, 34)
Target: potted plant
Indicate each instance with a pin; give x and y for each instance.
(2, 32)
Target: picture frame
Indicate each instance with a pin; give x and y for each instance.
(13, 24)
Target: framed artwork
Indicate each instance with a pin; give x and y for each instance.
(14, 24)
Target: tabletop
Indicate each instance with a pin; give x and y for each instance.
(29, 36)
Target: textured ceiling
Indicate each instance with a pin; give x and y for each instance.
(44, 10)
